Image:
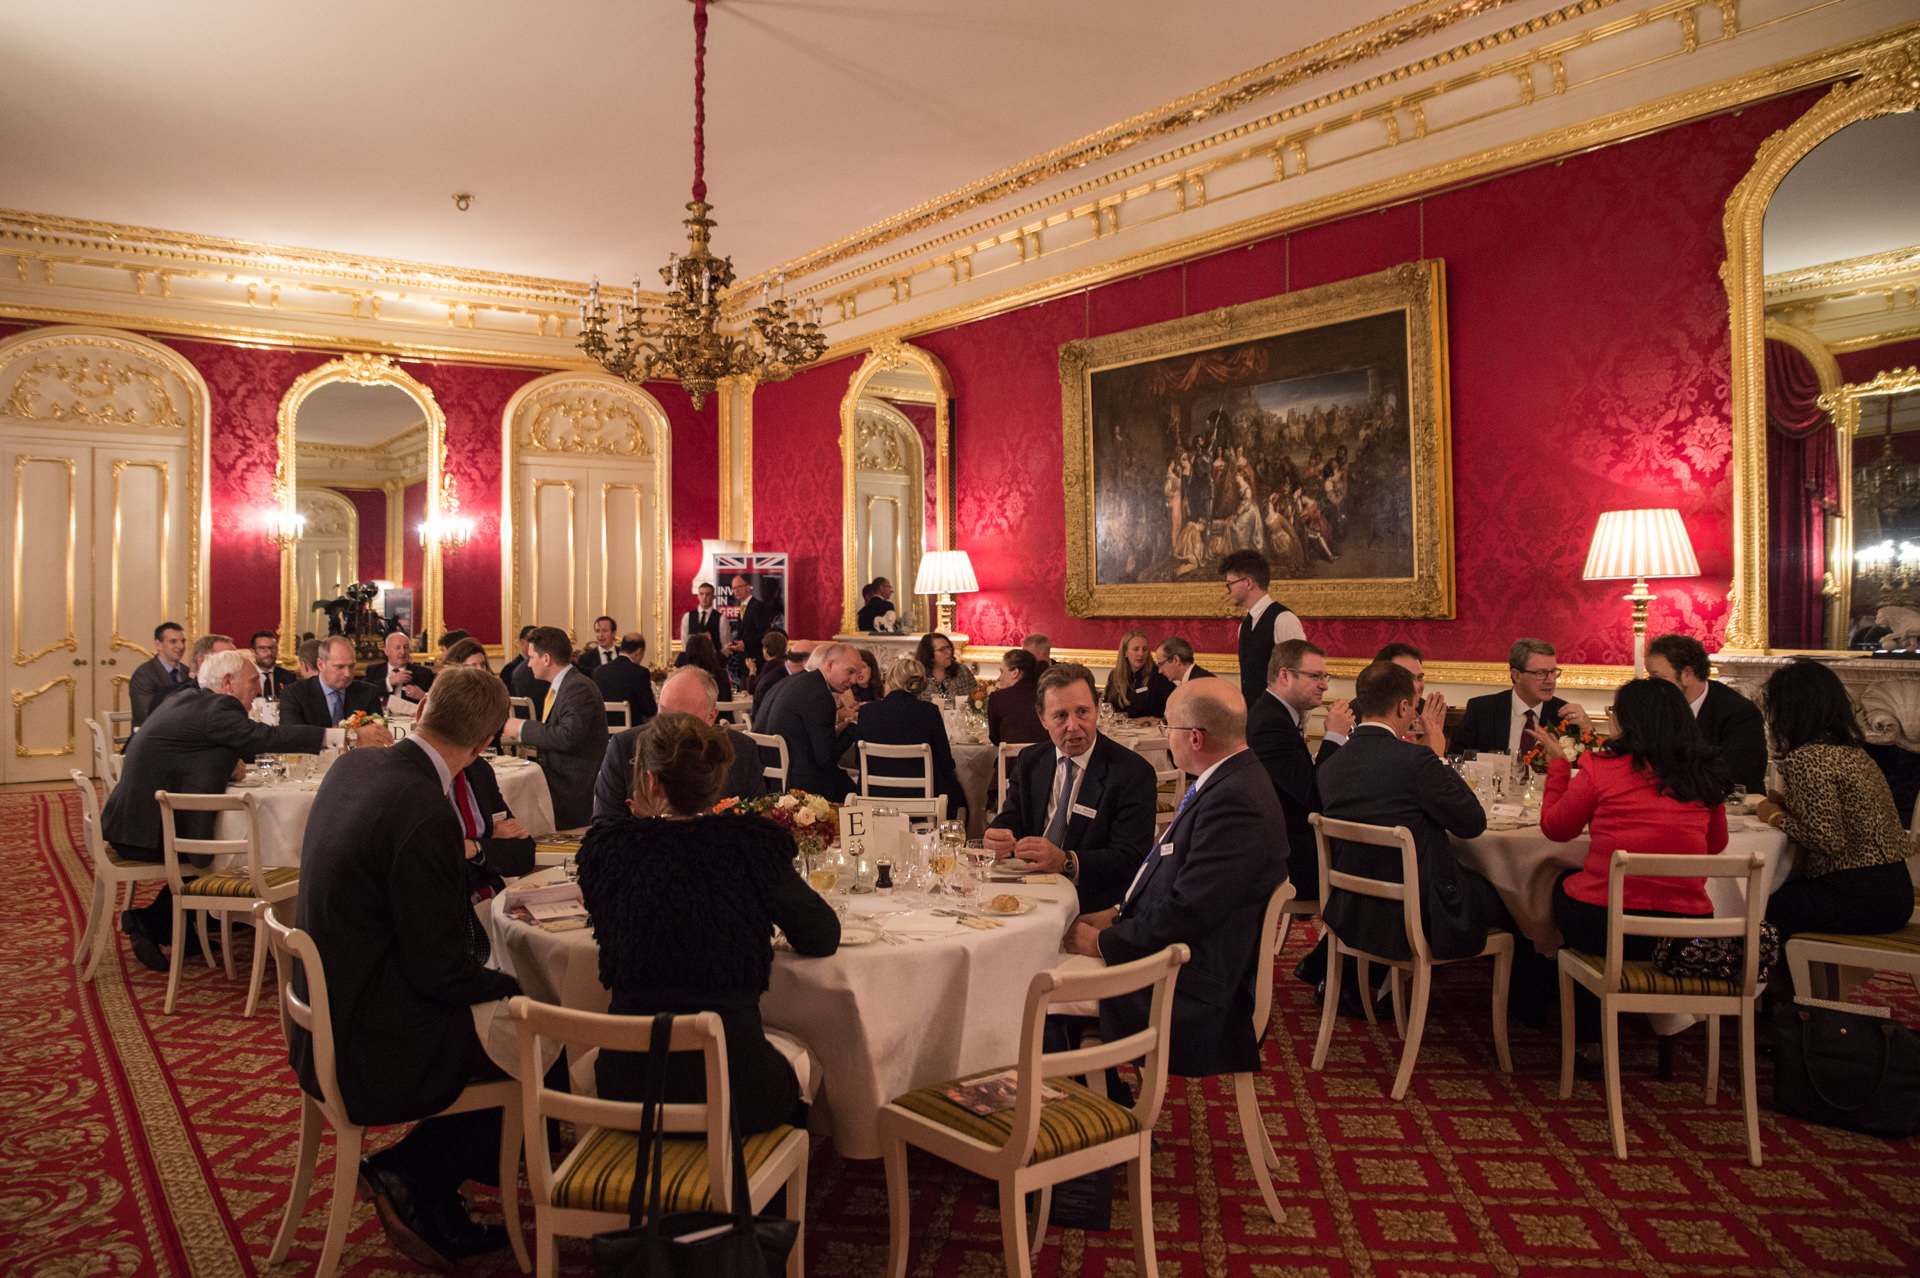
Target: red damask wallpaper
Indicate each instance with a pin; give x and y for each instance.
(370, 504)
(696, 492)
(1589, 369)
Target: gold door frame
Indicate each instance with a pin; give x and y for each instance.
(363, 370)
(1887, 82)
(884, 357)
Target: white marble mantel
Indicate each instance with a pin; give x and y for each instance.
(887, 649)
(1886, 690)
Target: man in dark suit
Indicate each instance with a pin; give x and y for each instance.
(570, 733)
(510, 672)
(333, 694)
(1500, 721)
(876, 604)
(1174, 660)
(1379, 779)
(688, 690)
(1430, 728)
(384, 895)
(1080, 804)
(399, 675)
(154, 678)
(274, 679)
(705, 619)
(195, 742)
(1296, 683)
(626, 678)
(603, 650)
(800, 709)
(1267, 622)
(1205, 884)
(1726, 718)
(755, 620)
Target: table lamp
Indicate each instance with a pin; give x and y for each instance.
(945, 573)
(1640, 544)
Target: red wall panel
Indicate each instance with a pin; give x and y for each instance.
(797, 490)
(370, 504)
(696, 492)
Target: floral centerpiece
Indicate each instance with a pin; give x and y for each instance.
(1583, 739)
(361, 718)
(977, 699)
(813, 820)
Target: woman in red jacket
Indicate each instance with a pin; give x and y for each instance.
(1656, 786)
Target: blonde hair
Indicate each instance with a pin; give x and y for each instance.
(1120, 679)
(907, 675)
(466, 707)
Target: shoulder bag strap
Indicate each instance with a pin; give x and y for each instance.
(652, 1134)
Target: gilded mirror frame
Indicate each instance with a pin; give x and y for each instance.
(361, 370)
(1841, 401)
(885, 357)
(1888, 83)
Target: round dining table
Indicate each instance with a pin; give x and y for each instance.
(282, 805)
(928, 999)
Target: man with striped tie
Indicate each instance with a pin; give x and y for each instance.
(570, 732)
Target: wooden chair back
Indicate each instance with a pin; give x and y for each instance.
(922, 754)
(1406, 891)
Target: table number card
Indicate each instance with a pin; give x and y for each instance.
(883, 835)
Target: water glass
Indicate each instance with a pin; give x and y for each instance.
(265, 764)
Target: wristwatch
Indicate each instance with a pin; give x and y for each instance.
(352, 737)
(1073, 867)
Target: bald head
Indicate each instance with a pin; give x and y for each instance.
(1205, 723)
(691, 690)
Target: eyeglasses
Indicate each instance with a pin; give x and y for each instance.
(1322, 676)
(1174, 727)
(1554, 673)
(1234, 581)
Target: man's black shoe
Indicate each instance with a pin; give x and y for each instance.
(461, 1232)
(145, 948)
(410, 1230)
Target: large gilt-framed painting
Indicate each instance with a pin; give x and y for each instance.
(1311, 427)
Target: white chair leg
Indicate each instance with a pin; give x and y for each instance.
(226, 943)
(1139, 1178)
(899, 1206)
(1713, 1059)
(1329, 1003)
(797, 1213)
(1259, 1148)
(96, 910)
(1365, 987)
(102, 931)
(512, 1130)
(1037, 1224)
(1013, 1231)
(1747, 1094)
(311, 1121)
(259, 973)
(1416, 1028)
(346, 1179)
(1502, 982)
(178, 950)
(1396, 980)
(1610, 1063)
(201, 921)
(1566, 1035)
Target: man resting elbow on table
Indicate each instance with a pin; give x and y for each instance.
(1082, 806)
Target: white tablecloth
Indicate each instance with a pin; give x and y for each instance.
(282, 808)
(1523, 864)
(881, 1019)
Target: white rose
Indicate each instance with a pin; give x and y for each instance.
(786, 802)
(803, 817)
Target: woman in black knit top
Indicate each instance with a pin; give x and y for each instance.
(683, 904)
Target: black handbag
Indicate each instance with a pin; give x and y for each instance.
(687, 1244)
(1837, 1065)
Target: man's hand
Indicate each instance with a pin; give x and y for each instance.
(510, 829)
(1554, 747)
(397, 679)
(1576, 713)
(1340, 718)
(239, 770)
(1433, 716)
(510, 730)
(1000, 841)
(1084, 936)
(738, 645)
(1045, 856)
(374, 734)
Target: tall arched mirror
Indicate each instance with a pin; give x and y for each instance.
(1823, 280)
(894, 437)
(361, 452)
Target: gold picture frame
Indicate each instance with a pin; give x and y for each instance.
(1358, 366)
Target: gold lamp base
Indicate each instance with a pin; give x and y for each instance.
(1639, 597)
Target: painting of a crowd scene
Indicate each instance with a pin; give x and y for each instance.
(1320, 443)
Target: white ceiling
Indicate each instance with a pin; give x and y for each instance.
(346, 125)
(353, 416)
(1855, 194)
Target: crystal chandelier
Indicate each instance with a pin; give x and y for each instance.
(688, 344)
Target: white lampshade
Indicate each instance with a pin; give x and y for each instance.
(945, 572)
(1640, 543)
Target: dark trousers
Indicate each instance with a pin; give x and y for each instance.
(1583, 927)
(1861, 902)
(443, 1153)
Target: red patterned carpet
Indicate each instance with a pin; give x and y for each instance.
(136, 1143)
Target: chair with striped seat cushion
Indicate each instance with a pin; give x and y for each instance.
(110, 871)
(227, 891)
(1625, 986)
(589, 1192)
(1854, 956)
(1038, 1143)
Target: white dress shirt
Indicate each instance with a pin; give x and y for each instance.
(1286, 626)
(1517, 726)
(1053, 786)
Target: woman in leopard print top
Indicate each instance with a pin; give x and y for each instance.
(1851, 874)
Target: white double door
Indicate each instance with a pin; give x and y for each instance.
(593, 544)
(96, 551)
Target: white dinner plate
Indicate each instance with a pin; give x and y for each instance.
(858, 936)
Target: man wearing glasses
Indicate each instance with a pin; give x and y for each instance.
(1174, 660)
(1501, 720)
(1275, 733)
(1267, 622)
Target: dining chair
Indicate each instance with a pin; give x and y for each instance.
(739, 710)
(109, 872)
(1639, 986)
(1040, 1142)
(623, 712)
(590, 1190)
(906, 781)
(774, 772)
(120, 727)
(919, 811)
(1845, 960)
(218, 891)
(520, 707)
(1167, 786)
(1008, 752)
(1253, 1128)
(313, 1013)
(106, 764)
(1412, 1023)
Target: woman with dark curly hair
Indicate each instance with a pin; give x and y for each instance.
(699, 651)
(946, 676)
(684, 904)
(1835, 804)
(1656, 786)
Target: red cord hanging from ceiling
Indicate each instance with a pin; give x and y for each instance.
(700, 100)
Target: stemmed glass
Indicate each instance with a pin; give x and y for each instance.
(980, 860)
(948, 840)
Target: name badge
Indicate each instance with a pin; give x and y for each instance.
(1081, 809)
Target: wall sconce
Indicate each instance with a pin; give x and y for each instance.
(283, 523)
(448, 529)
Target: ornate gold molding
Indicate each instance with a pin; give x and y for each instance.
(1888, 81)
(71, 643)
(20, 702)
(886, 356)
(735, 420)
(1493, 674)
(361, 369)
(1888, 381)
(1828, 277)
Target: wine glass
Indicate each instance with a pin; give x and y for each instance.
(949, 839)
(265, 764)
(980, 860)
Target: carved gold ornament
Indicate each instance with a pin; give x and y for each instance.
(96, 390)
(585, 422)
(878, 445)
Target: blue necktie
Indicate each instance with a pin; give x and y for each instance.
(334, 715)
(1063, 806)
